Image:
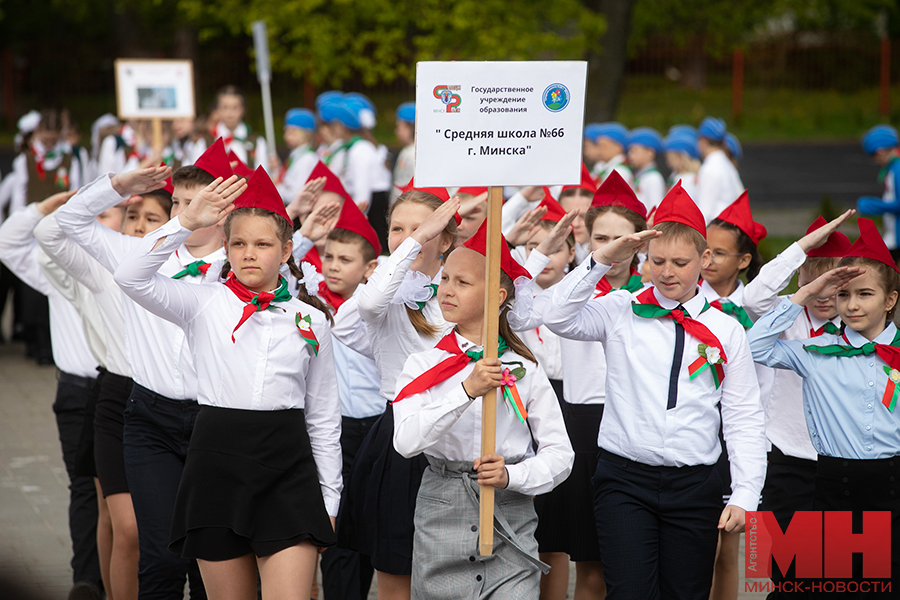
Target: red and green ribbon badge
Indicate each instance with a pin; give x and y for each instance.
(511, 394)
(710, 358)
(304, 324)
(892, 390)
(195, 269)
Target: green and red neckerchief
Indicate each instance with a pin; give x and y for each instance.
(738, 312)
(255, 301)
(889, 353)
(634, 284)
(195, 269)
(828, 327)
(712, 353)
(345, 146)
(449, 367)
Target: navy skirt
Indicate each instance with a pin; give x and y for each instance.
(378, 509)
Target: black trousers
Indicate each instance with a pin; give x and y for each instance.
(72, 393)
(346, 574)
(155, 439)
(859, 486)
(657, 528)
(790, 486)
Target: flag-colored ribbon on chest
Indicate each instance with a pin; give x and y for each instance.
(255, 301)
(712, 353)
(889, 353)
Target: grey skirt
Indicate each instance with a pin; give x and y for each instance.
(446, 563)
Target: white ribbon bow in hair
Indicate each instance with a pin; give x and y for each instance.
(413, 289)
(311, 278)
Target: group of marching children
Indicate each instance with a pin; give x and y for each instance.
(271, 385)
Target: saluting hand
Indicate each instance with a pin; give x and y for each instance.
(435, 223)
(818, 237)
(321, 220)
(47, 206)
(527, 225)
(212, 203)
(141, 181)
(826, 285)
(557, 238)
(623, 248)
(303, 204)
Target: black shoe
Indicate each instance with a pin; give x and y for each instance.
(84, 590)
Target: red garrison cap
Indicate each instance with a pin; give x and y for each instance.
(738, 214)
(679, 207)
(352, 219)
(508, 265)
(241, 169)
(441, 193)
(261, 193)
(835, 246)
(214, 161)
(871, 245)
(555, 211)
(614, 191)
(332, 182)
(587, 182)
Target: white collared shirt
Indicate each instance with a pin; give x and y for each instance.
(392, 335)
(20, 253)
(357, 170)
(785, 419)
(268, 367)
(445, 423)
(357, 375)
(157, 350)
(89, 287)
(718, 185)
(636, 423)
(303, 160)
(649, 186)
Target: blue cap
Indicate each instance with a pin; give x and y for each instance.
(712, 128)
(683, 129)
(338, 110)
(734, 146)
(645, 136)
(879, 138)
(300, 117)
(612, 130)
(407, 112)
(328, 97)
(363, 107)
(682, 141)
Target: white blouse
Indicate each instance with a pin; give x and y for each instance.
(269, 366)
(445, 423)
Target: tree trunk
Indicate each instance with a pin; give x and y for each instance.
(606, 67)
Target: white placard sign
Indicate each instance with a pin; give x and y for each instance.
(499, 123)
(147, 89)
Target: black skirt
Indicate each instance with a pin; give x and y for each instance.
(249, 486)
(109, 428)
(377, 511)
(566, 521)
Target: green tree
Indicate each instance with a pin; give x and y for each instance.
(378, 41)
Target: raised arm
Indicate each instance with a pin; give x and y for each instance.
(69, 257)
(19, 251)
(376, 295)
(78, 219)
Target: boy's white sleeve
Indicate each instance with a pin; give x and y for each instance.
(78, 220)
(19, 251)
(572, 314)
(170, 299)
(302, 246)
(322, 409)
(376, 295)
(743, 425)
(20, 188)
(761, 294)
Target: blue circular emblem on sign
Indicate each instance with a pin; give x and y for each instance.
(556, 97)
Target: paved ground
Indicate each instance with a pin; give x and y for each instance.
(34, 543)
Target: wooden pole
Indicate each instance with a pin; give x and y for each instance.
(157, 143)
(491, 333)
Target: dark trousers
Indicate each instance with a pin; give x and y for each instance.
(72, 393)
(157, 435)
(35, 313)
(859, 486)
(790, 486)
(657, 528)
(347, 575)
